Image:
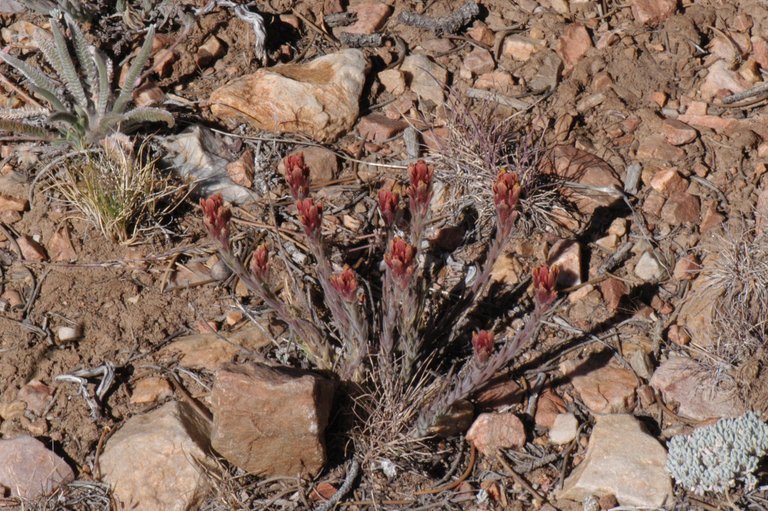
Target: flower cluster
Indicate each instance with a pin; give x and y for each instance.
(545, 284)
(216, 218)
(420, 189)
(400, 259)
(506, 193)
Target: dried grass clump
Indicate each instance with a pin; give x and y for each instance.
(479, 141)
(121, 192)
(738, 278)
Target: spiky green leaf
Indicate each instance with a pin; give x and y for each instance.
(133, 72)
(68, 71)
(104, 91)
(44, 41)
(15, 114)
(23, 128)
(85, 58)
(147, 114)
(50, 97)
(35, 76)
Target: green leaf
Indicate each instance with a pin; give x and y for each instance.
(68, 71)
(23, 128)
(35, 76)
(133, 72)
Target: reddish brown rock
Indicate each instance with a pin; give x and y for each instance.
(37, 395)
(655, 147)
(271, 421)
(613, 290)
(521, 48)
(212, 49)
(17, 204)
(60, 246)
(379, 128)
(653, 203)
(651, 12)
(677, 133)
(241, 170)
(721, 78)
(319, 98)
(30, 249)
(573, 44)
(481, 33)
(323, 163)
(566, 255)
(371, 16)
(479, 61)
(500, 81)
(678, 335)
(499, 393)
(669, 182)
(572, 164)
(607, 389)
(29, 470)
(493, 431)
(393, 81)
(686, 268)
(549, 406)
(150, 390)
(695, 389)
(682, 208)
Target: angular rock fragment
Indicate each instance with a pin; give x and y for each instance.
(493, 431)
(622, 460)
(152, 462)
(271, 421)
(319, 98)
(29, 470)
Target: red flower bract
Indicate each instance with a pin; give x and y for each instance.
(216, 218)
(400, 260)
(482, 345)
(506, 193)
(310, 216)
(345, 282)
(260, 262)
(545, 284)
(297, 175)
(388, 202)
(420, 190)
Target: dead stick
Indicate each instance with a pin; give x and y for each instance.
(749, 93)
(522, 482)
(457, 482)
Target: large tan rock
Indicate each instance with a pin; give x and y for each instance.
(319, 98)
(622, 460)
(270, 421)
(152, 463)
(28, 469)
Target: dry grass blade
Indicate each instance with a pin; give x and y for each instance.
(118, 192)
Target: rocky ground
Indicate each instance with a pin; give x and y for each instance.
(141, 375)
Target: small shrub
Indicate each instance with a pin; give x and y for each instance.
(85, 110)
(715, 458)
(383, 342)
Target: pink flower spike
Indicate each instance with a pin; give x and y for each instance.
(506, 193)
(420, 190)
(216, 218)
(310, 216)
(482, 345)
(545, 284)
(345, 283)
(260, 262)
(297, 175)
(388, 202)
(400, 260)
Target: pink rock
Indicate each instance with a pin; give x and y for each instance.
(686, 268)
(30, 249)
(681, 208)
(371, 16)
(500, 81)
(677, 133)
(573, 44)
(323, 163)
(17, 204)
(653, 203)
(572, 164)
(566, 254)
(379, 128)
(760, 51)
(655, 147)
(651, 12)
(37, 395)
(241, 170)
(150, 390)
(720, 78)
(549, 406)
(481, 33)
(521, 48)
(606, 389)
(393, 81)
(479, 61)
(668, 182)
(60, 246)
(271, 421)
(29, 470)
(613, 290)
(213, 48)
(682, 380)
(493, 431)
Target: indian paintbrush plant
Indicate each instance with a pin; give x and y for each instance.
(380, 341)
